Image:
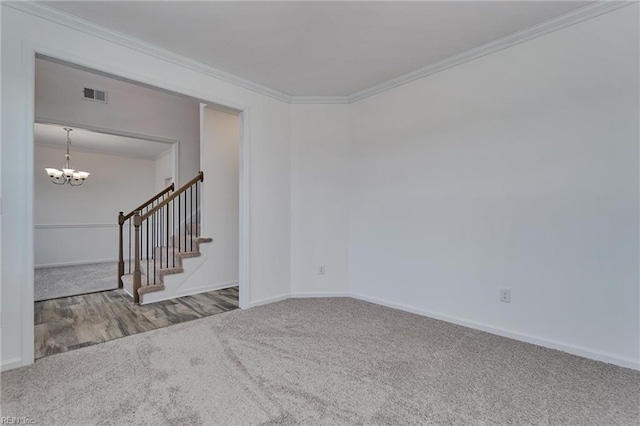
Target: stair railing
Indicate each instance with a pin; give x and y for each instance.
(160, 234)
(127, 218)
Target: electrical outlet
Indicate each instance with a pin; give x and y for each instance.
(505, 295)
(321, 270)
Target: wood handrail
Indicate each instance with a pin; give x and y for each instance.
(149, 201)
(183, 188)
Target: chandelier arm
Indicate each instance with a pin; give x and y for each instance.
(59, 181)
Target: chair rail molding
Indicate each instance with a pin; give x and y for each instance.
(74, 225)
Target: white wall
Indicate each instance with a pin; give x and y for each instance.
(319, 203)
(84, 219)
(130, 109)
(164, 171)
(267, 133)
(518, 170)
(220, 148)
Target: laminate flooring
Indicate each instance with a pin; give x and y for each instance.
(74, 322)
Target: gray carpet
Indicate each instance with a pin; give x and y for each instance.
(64, 281)
(320, 361)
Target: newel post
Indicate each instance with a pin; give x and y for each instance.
(137, 275)
(120, 249)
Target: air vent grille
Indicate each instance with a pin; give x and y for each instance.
(95, 95)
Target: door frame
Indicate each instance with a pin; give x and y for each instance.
(30, 52)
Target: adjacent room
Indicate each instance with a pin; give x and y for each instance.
(311, 213)
(104, 149)
(76, 223)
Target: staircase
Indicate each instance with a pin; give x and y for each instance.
(161, 234)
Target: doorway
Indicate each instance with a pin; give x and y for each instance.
(196, 303)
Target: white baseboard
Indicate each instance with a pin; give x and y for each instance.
(547, 343)
(551, 344)
(320, 294)
(11, 363)
(81, 262)
(126, 290)
(269, 300)
(190, 292)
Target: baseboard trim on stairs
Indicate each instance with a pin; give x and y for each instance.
(547, 343)
(193, 291)
(126, 290)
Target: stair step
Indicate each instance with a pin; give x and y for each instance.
(161, 269)
(179, 240)
(193, 229)
(127, 283)
(163, 253)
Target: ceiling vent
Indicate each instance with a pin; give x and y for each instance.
(95, 95)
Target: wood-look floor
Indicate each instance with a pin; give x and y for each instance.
(74, 322)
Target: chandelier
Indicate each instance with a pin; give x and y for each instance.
(67, 174)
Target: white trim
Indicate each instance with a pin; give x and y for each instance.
(313, 294)
(126, 290)
(76, 225)
(269, 300)
(75, 263)
(102, 152)
(70, 21)
(28, 291)
(29, 52)
(164, 154)
(11, 364)
(189, 292)
(175, 151)
(543, 28)
(174, 144)
(98, 129)
(319, 99)
(539, 341)
(244, 210)
(574, 17)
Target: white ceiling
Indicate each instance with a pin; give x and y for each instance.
(317, 48)
(86, 140)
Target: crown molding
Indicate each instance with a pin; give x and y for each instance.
(574, 17)
(546, 27)
(319, 100)
(70, 21)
